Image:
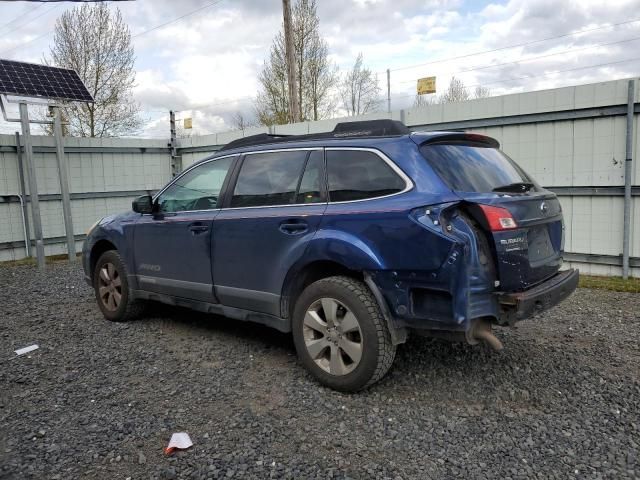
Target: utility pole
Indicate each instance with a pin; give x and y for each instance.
(294, 108)
(173, 145)
(388, 90)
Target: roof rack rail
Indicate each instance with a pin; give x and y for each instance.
(258, 139)
(367, 128)
(370, 128)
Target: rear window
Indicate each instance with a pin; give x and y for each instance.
(469, 168)
(360, 174)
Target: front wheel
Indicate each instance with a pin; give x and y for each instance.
(111, 287)
(340, 334)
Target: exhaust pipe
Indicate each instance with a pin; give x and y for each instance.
(481, 331)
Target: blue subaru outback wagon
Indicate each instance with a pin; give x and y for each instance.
(350, 240)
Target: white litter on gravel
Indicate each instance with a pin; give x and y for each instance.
(179, 441)
(30, 348)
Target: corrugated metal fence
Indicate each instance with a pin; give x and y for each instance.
(572, 140)
(104, 176)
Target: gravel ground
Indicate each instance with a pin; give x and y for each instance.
(100, 400)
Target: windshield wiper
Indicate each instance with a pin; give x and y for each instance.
(520, 187)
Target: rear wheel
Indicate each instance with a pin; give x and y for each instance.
(112, 289)
(340, 334)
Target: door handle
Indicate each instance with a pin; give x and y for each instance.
(198, 228)
(293, 227)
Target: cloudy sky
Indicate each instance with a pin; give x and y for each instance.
(206, 64)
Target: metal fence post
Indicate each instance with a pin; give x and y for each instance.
(64, 183)
(33, 185)
(388, 91)
(23, 194)
(626, 236)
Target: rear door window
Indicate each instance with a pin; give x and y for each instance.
(470, 168)
(269, 179)
(360, 174)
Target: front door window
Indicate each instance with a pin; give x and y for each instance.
(198, 189)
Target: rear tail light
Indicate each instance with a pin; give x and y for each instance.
(498, 218)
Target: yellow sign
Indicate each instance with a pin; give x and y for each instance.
(187, 123)
(426, 85)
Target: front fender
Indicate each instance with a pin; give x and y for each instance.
(117, 230)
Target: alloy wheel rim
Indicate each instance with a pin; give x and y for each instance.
(332, 336)
(110, 287)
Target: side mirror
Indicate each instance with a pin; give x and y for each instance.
(143, 204)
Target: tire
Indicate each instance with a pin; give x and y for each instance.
(111, 286)
(340, 353)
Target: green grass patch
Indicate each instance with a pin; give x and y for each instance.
(22, 261)
(32, 261)
(616, 284)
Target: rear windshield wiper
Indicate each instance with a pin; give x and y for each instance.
(520, 187)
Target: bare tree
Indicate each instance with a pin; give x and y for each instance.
(295, 108)
(359, 91)
(241, 122)
(481, 92)
(182, 132)
(424, 100)
(96, 43)
(315, 73)
(319, 79)
(457, 92)
(272, 102)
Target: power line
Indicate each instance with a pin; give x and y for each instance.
(26, 43)
(204, 7)
(526, 77)
(546, 74)
(209, 105)
(33, 39)
(242, 99)
(18, 27)
(515, 45)
(557, 71)
(21, 15)
(564, 52)
(144, 32)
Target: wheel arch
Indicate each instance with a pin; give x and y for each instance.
(299, 279)
(331, 252)
(97, 250)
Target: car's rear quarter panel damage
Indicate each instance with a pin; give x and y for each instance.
(452, 279)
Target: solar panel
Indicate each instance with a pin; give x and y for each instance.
(32, 80)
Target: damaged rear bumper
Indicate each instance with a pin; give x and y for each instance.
(521, 305)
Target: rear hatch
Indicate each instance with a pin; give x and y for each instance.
(522, 220)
